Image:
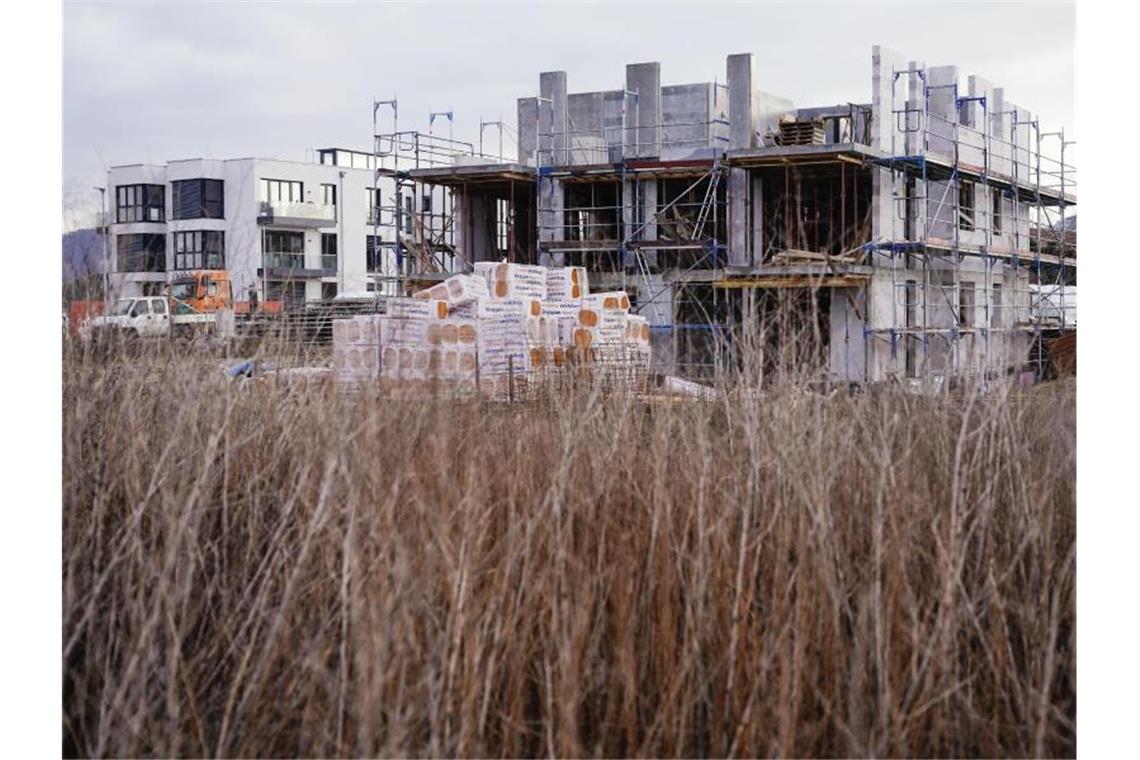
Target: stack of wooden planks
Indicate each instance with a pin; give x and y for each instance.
(810, 132)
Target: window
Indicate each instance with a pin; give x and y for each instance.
(281, 191)
(284, 249)
(140, 203)
(197, 199)
(966, 304)
(408, 211)
(328, 195)
(995, 312)
(290, 294)
(374, 250)
(141, 253)
(199, 249)
(502, 225)
(159, 307)
(373, 194)
(965, 205)
(328, 250)
(996, 213)
(426, 204)
(328, 291)
(139, 309)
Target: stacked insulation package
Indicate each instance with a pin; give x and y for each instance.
(356, 351)
(612, 343)
(504, 328)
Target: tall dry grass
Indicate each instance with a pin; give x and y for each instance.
(255, 571)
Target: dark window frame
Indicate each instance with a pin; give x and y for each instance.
(996, 211)
(375, 198)
(283, 246)
(200, 249)
(967, 305)
(197, 198)
(374, 246)
(267, 186)
(329, 250)
(133, 203)
(966, 205)
(140, 252)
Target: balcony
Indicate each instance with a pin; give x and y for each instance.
(297, 215)
(291, 266)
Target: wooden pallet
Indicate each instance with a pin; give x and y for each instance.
(801, 133)
(792, 256)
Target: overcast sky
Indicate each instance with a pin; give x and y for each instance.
(163, 81)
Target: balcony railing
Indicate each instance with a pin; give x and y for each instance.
(311, 215)
(292, 266)
(283, 261)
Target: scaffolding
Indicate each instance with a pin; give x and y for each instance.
(608, 201)
(414, 229)
(972, 193)
(948, 243)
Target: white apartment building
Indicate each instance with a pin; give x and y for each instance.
(289, 231)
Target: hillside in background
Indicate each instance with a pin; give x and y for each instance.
(82, 254)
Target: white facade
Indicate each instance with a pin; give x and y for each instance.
(276, 219)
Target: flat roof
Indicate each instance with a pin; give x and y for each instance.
(785, 154)
(474, 173)
(242, 158)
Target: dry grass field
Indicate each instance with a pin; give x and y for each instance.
(251, 570)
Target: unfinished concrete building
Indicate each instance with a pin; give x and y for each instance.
(908, 230)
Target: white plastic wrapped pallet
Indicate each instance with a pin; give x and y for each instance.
(513, 280)
(505, 325)
(566, 283)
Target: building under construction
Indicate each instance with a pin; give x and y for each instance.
(908, 234)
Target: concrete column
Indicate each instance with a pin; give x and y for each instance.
(649, 218)
(999, 133)
(886, 97)
(636, 211)
(462, 237)
(655, 303)
(645, 80)
(552, 122)
(972, 150)
(942, 106)
(481, 228)
(758, 241)
(551, 218)
(741, 101)
(847, 345)
(739, 252)
(914, 102)
(527, 126)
